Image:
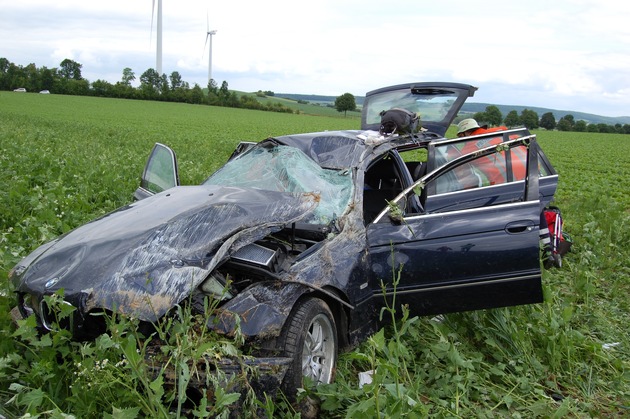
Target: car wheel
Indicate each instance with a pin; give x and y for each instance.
(310, 339)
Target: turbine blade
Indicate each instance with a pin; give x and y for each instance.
(152, 14)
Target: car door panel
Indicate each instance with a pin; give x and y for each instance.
(468, 245)
(469, 249)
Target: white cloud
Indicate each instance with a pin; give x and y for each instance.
(567, 52)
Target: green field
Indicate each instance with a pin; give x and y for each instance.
(65, 160)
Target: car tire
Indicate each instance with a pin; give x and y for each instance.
(309, 338)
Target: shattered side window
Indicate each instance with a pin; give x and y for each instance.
(287, 169)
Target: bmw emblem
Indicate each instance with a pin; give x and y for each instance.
(51, 282)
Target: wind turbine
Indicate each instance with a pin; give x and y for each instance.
(209, 34)
(158, 55)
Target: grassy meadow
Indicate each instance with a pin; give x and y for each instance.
(65, 160)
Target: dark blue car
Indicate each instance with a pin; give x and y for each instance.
(300, 237)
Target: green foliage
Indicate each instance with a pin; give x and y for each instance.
(566, 123)
(493, 116)
(65, 160)
(512, 119)
(548, 121)
(122, 373)
(303, 107)
(345, 103)
(529, 119)
(70, 69)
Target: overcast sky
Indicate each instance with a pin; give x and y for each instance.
(560, 54)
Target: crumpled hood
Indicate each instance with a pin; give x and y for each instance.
(144, 258)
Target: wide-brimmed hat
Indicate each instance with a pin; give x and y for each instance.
(466, 124)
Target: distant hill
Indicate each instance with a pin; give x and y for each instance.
(317, 98)
(587, 117)
(473, 107)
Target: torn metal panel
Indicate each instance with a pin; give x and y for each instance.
(261, 309)
(334, 264)
(148, 256)
(332, 150)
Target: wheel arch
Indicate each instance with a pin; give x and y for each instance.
(264, 309)
(339, 311)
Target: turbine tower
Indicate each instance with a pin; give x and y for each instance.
(209, 34)
(158, 54)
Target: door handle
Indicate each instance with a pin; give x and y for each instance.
(517, 227)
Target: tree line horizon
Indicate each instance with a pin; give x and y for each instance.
(529, 119)
(67, 79)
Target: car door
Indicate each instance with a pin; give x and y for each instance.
(472, 251)
(160, 173)
(505, 169)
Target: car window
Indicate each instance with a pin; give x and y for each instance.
(431, 107)
(436, 104)
(496, 169)
(450, 177)
(287, 169)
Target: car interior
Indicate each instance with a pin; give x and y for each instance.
(383, 181)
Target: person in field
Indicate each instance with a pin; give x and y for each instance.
(494, 173)
(470, 126)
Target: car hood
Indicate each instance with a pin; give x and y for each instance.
(145, 257)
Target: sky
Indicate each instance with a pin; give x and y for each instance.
(558, 54)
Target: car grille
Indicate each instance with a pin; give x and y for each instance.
(51, 318)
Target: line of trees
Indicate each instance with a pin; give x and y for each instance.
(67, 79)
(528, 118)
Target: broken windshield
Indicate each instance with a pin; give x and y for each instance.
(287, 169)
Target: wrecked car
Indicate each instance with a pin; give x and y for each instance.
(300, 237)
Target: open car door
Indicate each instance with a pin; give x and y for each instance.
(471, 251)
(160, 172)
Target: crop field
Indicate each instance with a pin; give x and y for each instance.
(65, 160)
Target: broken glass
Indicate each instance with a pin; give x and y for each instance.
(287, 169)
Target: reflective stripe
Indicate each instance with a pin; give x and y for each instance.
(519, 162)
